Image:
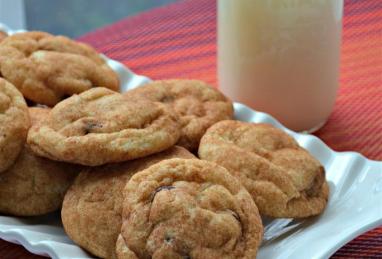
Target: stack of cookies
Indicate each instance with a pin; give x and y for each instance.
(161, 171)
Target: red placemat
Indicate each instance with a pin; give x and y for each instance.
(179, 40)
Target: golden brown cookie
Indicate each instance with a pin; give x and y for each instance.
(47, 68)
(92, 208)
(14, 124)
(188, 208)
(38, 114)
(34, 185)
(198, 105)
(99, 126)
(284, 179)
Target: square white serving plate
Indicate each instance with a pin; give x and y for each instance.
(354, 207)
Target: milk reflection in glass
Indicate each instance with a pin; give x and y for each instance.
(281, 57)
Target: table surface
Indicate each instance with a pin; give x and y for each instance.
(179, 41)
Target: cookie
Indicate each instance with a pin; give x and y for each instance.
(284, 179)
(197, 104)
(188, 208)
(92, 208)
(47, 68)
(99, 126)
(14, 124)
(34, 185)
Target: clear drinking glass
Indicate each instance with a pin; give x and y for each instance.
(281, 57)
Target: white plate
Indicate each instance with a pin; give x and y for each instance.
(355, 202)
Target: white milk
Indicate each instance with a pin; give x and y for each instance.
(281, 57)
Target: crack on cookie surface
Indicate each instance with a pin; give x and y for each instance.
(197, 104)
(95, 198)
(46, 68)
(202, 216)
(160, 189)
(14, 124)
(283, 178)
(100, 126)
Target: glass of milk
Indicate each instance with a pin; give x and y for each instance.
(281, 57)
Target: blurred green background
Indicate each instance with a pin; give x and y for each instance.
(76, 17)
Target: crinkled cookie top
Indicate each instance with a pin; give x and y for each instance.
(47, 68)
(283, 178)
(92, 208)
(188, 208)
(197, 104)
(34, 185)
(100, 126)
(14, 124)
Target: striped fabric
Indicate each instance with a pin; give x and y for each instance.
(179, 40)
